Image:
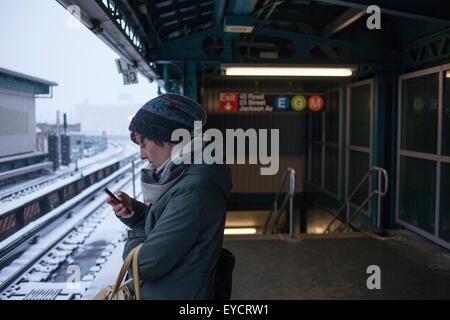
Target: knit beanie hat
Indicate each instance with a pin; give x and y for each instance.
(159, 117)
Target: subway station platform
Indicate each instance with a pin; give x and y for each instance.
(331, 115)
(334, 267)
(327, 267)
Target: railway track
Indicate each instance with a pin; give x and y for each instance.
(61, 238)
(28, 187)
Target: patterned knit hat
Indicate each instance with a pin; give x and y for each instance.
(159, 117)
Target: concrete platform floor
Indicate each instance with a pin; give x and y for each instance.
(334, 267)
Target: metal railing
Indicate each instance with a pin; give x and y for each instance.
(381, 193)
(288, 198)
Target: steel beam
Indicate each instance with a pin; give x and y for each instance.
(104, 25)
(150, 41)
(384, 10)
(219, 9)
(430, 49)
(343, 21)
(190, 49)
(303, 41)
(244, 7)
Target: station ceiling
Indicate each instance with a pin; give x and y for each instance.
(161, 36)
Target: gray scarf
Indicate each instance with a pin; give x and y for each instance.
(156, 181)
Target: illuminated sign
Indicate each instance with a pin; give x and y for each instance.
(298, 103)
(229, 102)
(315, 103)
(282, 103)
(260, 102)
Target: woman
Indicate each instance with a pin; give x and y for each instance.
(181, 224)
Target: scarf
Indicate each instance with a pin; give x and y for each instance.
(156, 181)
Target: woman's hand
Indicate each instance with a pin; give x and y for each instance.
(124, 209)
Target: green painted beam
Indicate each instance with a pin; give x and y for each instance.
(190, 49)
(388, 9)
(219, 9)
(306, 39)
(243, 6)
(393, 154)
(148, 37)
(117, 15)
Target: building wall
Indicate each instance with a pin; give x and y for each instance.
(17, 123)
(247, 177)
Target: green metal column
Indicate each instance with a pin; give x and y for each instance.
(166, 77)
(190, 80)
(394, 150)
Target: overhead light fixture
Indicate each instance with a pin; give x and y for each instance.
(239, 231)
(447, 74)
(288, 71)
(239, 24)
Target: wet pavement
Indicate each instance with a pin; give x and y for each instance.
(335, 267)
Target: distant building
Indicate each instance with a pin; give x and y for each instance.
(43, 130)
(19, 154)
(18, 111)
(51, 128)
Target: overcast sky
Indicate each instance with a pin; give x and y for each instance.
(36, 38)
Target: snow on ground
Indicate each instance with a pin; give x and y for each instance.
(114, 148)
(51, 238)
(95, 163)
(62, 208)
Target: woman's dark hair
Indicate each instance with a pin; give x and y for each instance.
(133, 138)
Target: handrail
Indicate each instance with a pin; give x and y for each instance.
(289, 196)
(381, 172)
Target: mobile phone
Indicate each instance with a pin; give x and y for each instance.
(112, 195)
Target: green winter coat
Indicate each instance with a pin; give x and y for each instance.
(182, 234)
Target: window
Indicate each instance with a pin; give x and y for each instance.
(358, 167)
(418, 192)
(316, 126)
(424, 152)
(359, 114)
(332, 117)
(323, 141)
(419, 113)
(316, 164)
(360, 107)
(331, 168)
